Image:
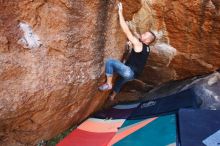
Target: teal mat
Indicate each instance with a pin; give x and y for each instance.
(160, 132)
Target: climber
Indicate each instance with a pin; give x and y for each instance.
(135, 62)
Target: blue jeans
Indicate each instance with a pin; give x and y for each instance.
(124, 71)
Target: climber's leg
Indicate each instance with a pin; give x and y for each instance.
(117, 67)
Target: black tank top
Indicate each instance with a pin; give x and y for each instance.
(137, 60)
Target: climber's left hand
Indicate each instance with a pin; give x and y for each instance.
(120, 8)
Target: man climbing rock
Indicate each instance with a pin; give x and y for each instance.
(136, 61)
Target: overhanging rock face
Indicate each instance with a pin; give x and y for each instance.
(52, 56)
(188, 38)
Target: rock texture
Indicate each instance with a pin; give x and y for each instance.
(52, 56)
(205, 87)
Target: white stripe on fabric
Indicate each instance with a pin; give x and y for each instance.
(106, 120)
(213, 140)
(126, 106)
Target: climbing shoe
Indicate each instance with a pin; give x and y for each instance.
(105, 87)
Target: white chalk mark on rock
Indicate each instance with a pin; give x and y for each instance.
(166, 50)
(29, 40)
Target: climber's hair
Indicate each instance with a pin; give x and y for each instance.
(154, 37)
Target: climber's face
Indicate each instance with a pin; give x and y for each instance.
(147, 38)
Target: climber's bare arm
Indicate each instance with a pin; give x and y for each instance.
(136, 43)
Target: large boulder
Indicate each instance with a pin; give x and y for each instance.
(52, 56)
